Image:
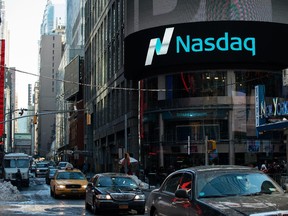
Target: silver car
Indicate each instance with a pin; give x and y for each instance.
(218, 190)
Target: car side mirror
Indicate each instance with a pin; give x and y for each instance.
(181, 193)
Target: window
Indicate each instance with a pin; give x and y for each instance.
(185, 182)
(171, 185)
(197, 132)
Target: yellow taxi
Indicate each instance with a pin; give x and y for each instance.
(68, 182)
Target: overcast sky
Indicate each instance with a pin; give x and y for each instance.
(24, 19)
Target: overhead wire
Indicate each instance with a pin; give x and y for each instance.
(119, 88)
(83, 84)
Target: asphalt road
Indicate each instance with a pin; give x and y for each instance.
(36, 200)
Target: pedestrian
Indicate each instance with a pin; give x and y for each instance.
(18, 177)
(126, 164)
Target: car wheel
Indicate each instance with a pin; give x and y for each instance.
(155, 213)
(141, 212)
(51, 193)
(55, 195)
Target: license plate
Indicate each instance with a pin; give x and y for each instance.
(74, 191)
(123, 206)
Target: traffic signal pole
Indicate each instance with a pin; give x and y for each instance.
(43, 113)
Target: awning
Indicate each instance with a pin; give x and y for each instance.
(281, 125)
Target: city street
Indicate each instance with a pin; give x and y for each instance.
(36, 200)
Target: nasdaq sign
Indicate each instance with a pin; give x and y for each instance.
(205, 45)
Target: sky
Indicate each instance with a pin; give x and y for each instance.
(24, 18)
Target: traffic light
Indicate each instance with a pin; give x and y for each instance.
(35, 119)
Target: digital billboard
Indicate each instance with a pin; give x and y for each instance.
(205, 45)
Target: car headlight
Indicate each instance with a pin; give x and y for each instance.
(61, 186)
(139, 197)
(103, 197)
(84, 186)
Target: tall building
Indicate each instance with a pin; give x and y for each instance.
(50, 54)
(112, 99)
(10, 103)
(69, 125)
(182, 81)
(54, 15)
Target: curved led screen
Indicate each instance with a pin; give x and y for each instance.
(206, 45)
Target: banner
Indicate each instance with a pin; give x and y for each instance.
(2, 80)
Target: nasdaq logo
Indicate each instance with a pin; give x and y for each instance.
(161, 48)
(188, 44)
(228, 43)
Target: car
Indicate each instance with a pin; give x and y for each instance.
(68, 182)
(218, 190)
(41, 169)
(114, 192)
(50, 174)
(64, 165)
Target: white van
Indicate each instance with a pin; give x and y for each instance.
(14, 161)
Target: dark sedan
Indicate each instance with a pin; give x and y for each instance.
(218, 190)
(114, 192)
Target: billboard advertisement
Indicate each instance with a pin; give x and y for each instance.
(205, 45)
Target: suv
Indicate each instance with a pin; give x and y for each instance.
(41, 169)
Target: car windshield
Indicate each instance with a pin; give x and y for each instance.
(62, 164)
(52, 171)
(42, 165)
(13, 163)
(232, 184)
(70, 175)
(107, 181)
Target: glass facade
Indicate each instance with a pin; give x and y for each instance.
(166, 120)
(187, 108)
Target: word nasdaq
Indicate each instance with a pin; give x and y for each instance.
(226, 43)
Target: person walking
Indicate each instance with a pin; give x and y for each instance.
(18, 176)
(126, 164)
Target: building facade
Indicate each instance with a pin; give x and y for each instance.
(69, 127)
(50, 54)
(205, 92)
(166, 108)
(112, 100)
